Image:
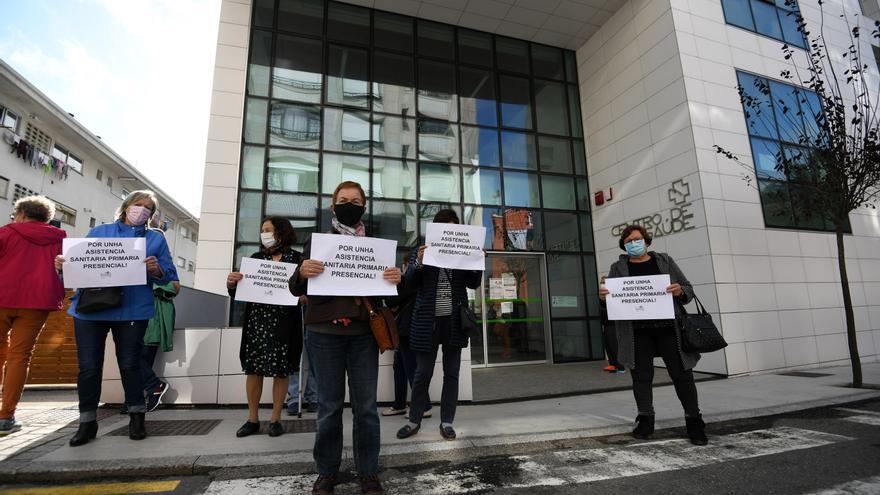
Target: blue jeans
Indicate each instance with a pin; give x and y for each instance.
(311, 393)
(334, 356)
(148, 357)
(91, 336)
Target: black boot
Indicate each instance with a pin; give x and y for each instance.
(644, 427)
(696, 430)
(136, 428)
(86, 432)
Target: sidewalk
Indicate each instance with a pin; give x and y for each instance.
(40, 452)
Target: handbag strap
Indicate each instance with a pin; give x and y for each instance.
(701, 310)
(366, 301)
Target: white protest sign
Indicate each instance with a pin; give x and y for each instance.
(455, 246)
(353, 266)
(265, 282)
(639, 298)
(104, 262)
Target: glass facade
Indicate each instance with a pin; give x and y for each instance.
(425, 116)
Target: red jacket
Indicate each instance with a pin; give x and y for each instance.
(27, 272)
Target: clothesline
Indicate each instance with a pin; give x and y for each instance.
(32, 156)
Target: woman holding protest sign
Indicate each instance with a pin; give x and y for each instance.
(122, 311)
(271, 336)
(341, 341)
(639, 341)
(30, 291)
(437, 321)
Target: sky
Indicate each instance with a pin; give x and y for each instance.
(138, 73)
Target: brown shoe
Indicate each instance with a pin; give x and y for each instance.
(325, 484)
(370, 485)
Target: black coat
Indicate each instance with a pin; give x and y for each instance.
(424, 280)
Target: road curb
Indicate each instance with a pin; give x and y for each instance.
(300, 461)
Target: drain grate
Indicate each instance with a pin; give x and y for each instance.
(168, 428)
(805, 374)
(292, 426)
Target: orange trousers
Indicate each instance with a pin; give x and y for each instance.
(19, 330)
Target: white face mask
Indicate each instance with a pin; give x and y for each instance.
(268, 239)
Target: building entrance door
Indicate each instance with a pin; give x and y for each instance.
(514, 309)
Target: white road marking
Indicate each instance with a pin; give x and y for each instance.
(857, 411)
(565, 467)
(863, 419)
(867, 486)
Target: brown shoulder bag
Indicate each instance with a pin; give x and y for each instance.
(384, 327)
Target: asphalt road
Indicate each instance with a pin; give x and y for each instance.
(831, 451)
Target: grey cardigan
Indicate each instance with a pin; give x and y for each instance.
(625, 338)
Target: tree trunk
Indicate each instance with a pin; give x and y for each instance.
(848, 309)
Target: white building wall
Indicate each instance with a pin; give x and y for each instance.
(658, 84)
(640, 143)
(220, 190)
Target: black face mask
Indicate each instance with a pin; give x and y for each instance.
(348, 213)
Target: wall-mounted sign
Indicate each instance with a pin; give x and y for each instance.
(666, 222)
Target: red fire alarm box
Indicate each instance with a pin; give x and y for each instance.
(600, 198)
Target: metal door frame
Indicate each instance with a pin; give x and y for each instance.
(545, 289)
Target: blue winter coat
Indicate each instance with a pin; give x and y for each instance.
(137, 300)
(424, 280)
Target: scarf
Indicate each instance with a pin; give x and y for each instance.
(358, 230)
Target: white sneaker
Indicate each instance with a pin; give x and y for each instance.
(8, 426)
(391, 411)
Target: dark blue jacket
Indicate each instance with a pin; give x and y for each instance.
(424, 280)
(137, 300)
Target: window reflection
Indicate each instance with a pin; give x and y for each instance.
(437, 90)
(516, 102)
(292, 171)
(555, 154)
(392, 31)
(477, 89)
(521, 189)
(439, 182)
(261, 59)
(479, 146)
(394, 136)
(393, 83)
(252, 162)
(394, 220)
(338, 168)
(393, 179)
(291, 205)
(295, 125)
(255, 121)
(297, 74)
(347, 77)
(550, 103)
(558, 192)
(250, 209)
(561, 232)
(482, 186)
(346, 131)
(518, 150)
(516, 229)
(480, 216)
(438, 141)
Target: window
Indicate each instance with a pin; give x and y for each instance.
(8, 119)
(190, 267)
(37, 138)
(21, 192)
(65, 214)
(61, 153)
(181, 263)
(787, 114)
(184, 232)
(91, 222)
(194, 236)
(125, 193)
(776, 19)
(99, 174)
(4, 187)
(109, 182)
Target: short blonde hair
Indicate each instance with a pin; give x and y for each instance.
(38, 208)
(135, 196)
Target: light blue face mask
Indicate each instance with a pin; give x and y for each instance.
(635, 247)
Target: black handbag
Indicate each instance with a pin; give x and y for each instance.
(698, 331)
(96, 299)
(469, 324)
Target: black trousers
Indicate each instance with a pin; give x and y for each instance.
(661, 342)
(420, 401)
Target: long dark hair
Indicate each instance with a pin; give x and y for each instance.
(284, 233)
